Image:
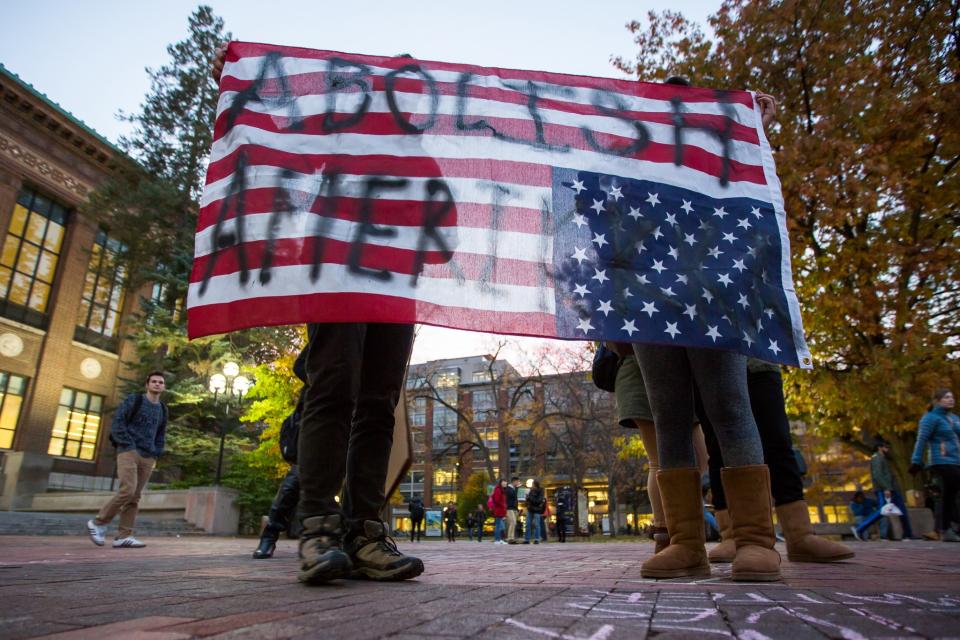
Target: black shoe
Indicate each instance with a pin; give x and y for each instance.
(375, 555)
(266, 548)
(321, 554)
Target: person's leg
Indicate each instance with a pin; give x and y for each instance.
(700, 450)
(127, 476)
(721, 378)
(950, 482)
(333, 366)
(648, 435)
(868, 521)
(897, 499)
(386, 348)
(497, 529)
(769, 411)
(128, 512)
(511, 525)
(282, 512)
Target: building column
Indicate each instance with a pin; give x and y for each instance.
(9, 188)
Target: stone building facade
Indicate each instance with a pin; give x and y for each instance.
(63, 301)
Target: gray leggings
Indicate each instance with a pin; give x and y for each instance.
(669, 374)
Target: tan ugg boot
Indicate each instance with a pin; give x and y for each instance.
(727, 548)
(803, 545)
(683, 510)
(751, 515)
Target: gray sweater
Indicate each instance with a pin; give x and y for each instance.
(145, 431)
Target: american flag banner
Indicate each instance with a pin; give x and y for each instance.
(356, 188)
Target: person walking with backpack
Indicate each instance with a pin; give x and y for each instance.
(536, 503)
(139, 434)
(415, 507)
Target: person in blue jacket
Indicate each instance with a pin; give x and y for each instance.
(939, 437)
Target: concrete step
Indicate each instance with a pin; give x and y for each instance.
(25, 523)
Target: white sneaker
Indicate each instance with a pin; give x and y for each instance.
(129, 541)
(96, 532)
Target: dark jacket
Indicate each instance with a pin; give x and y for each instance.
(415, 506)
(536, 502)
(882, 475)
(511, 494)
(144, 429)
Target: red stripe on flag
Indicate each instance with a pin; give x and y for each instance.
(358, 307)
(656, 91)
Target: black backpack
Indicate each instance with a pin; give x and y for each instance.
(136, 409)
(290, 434)
(606, 363)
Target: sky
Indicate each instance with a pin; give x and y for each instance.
(89, 57)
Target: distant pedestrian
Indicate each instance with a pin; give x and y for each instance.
(139, 433)
(479, 517)
(536, 504)
(513, 509)
(888, 490)
(939, 437)
(862, 507)
(564, 504)
(415, 507)
(497, 503)
(450, 521)
(545, 521)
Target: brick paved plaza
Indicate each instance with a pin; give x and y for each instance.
(66, 588)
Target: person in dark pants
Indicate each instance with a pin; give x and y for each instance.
(355, 375)
(564, 504)
(284, 508)
(415, 506)
(479, 519)
(939, 436)
(888, 490)
(765, 388)
(450, 521)
(282, 513)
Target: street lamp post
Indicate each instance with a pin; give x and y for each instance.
(227, 387)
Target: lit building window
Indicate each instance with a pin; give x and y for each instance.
(77, 425)
(99, 316)
(29, 259)
(483, 401)
(12, 389)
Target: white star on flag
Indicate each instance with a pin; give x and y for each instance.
(671, 219)
(756, 211)
(729, 237)
(635, 213)
(600, 239)
(715, 253)
(773, 347)
(629, 326)
(657, 233)
(605, 307)
(689, 239)
(580, 220)
(667, 291)
(600, 275)
(690, 310)
(686, 206)
(743, 301)
(748, 339)
(581, 289)
(712, 332)
(579, 255)
(649, 308)
(724, 279)
(578, 186)
(720, 213)
(707, 296)
(598, 206)
(738, 265)
(743, 222)
(615, 193)
(584, 325)
(642, 278)
(658, 266)
(672, 330)
(653, 199)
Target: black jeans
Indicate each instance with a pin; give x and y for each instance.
(949, 485)
(417, 529)
(354, 380)
(766, 401)
(284, 506)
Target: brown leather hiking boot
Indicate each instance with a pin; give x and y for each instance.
(375, 555)
(321, 554)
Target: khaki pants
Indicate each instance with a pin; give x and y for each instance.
(511, 524)
(133, 471)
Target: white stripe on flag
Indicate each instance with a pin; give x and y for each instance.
(482, 150)
(313, 105)
(294, 280)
